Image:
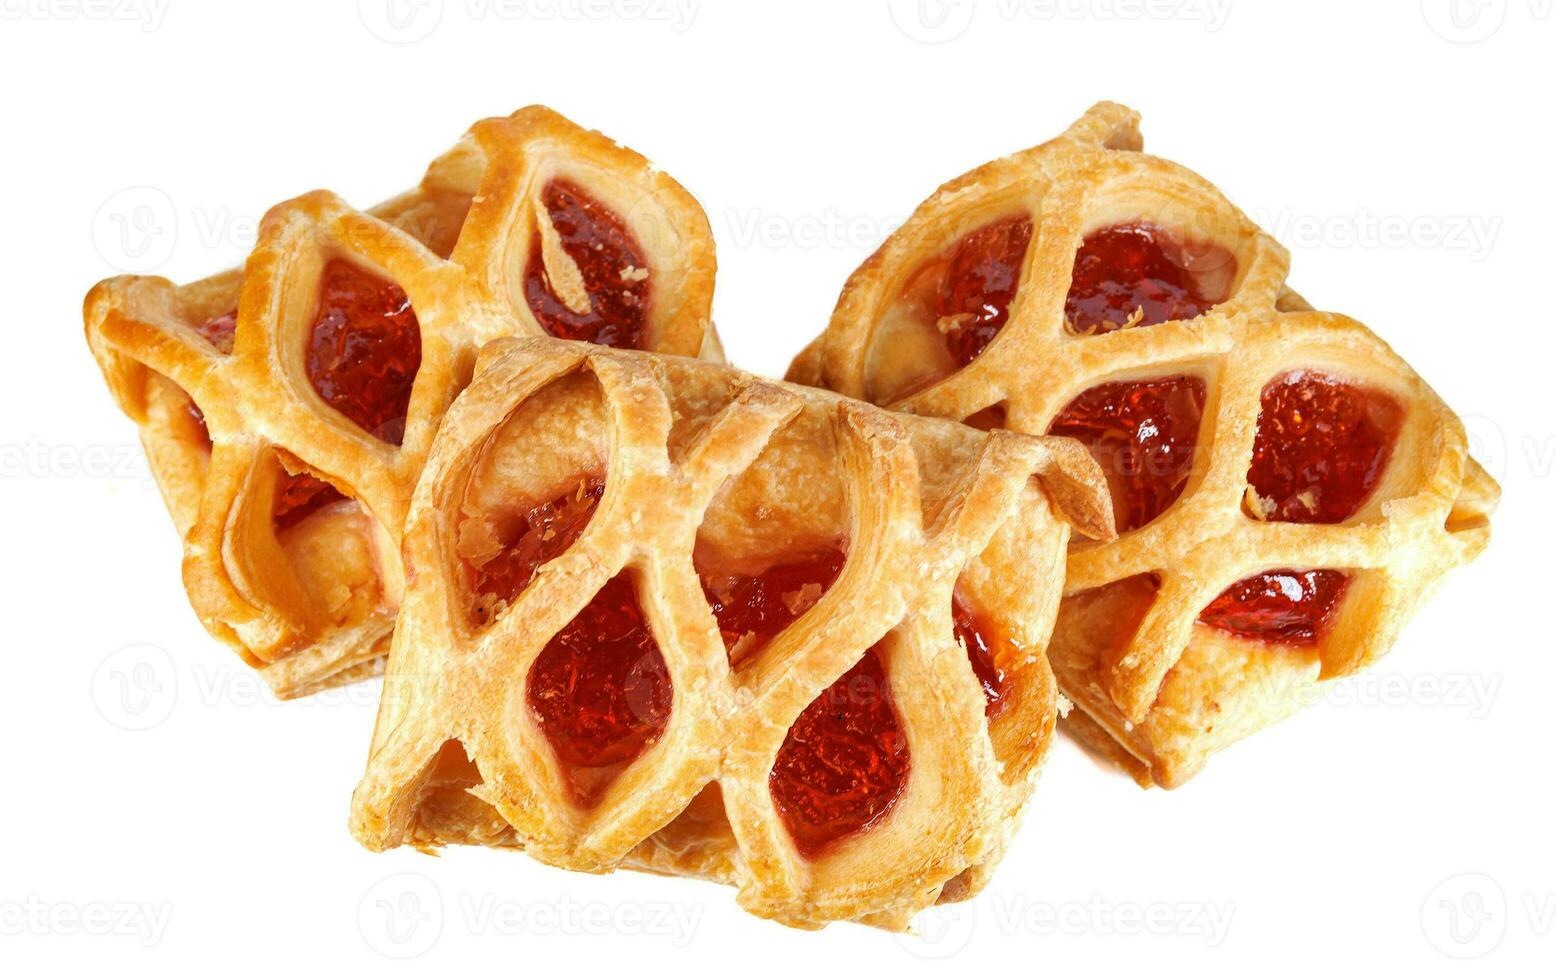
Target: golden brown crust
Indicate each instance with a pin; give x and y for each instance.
(1172, 691)
(701, 458)
(314, 606)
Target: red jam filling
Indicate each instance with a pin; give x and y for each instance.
(1321, 448)
(532, 539)
(364, 349)
(609, 260)
(980, 284)
(1282, 606)
(1143, 435)
(845, 759)
(1135, 275)
(844, 762)
(971, 633)
(600, 690)
(299, 495)
(752, 609)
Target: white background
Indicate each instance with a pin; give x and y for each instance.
(1402, 153)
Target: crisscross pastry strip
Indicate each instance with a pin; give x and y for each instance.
(839, 759)
(1287, 489)
(287, 407)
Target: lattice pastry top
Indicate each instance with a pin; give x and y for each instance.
(1287, 489)
(673, 617)
(287, 407)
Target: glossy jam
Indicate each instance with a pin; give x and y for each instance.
(1137, 269)
(299, 495)
(756, 608)
(844, 762)
(973, 634)
(1282, 606)
(981, 280)
(534, 538)
(1143, 434)
(364, 349)
(1321, 447)
(600, 690)
(613, 266)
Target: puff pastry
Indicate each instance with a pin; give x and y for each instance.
(626, 648)
(287, 407)
(1287, 489)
